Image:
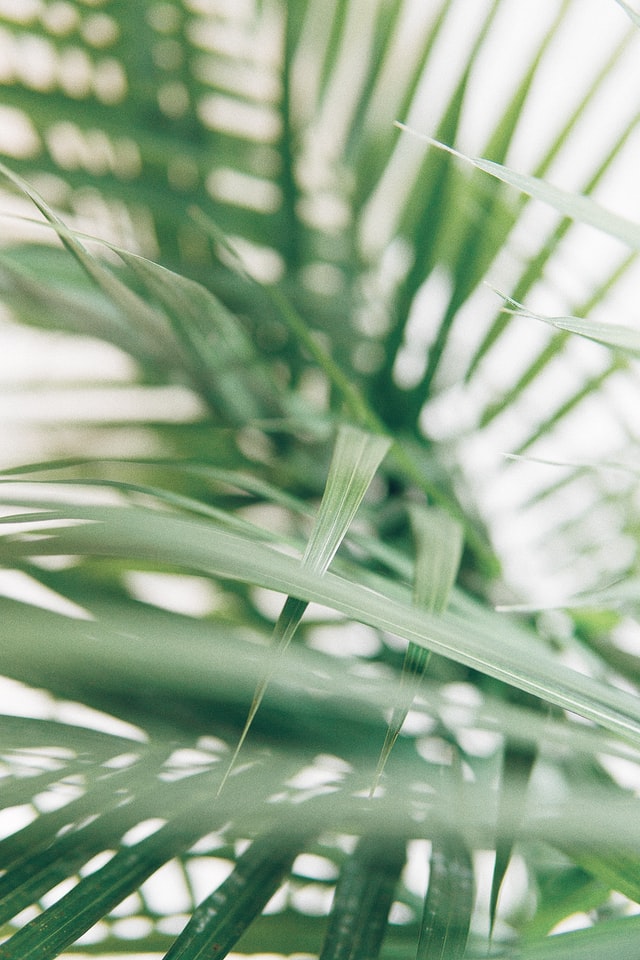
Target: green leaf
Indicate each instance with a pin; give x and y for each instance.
(609, 334)
(614, 869)
(536, 265)
(555, 346)
(438, 545)
(490, 644)
(136, 310)
(449, 901)
(219, 921)
(298, 326)
(223, 363)
(356, 458)
(188, 810)
(564, 892)
(355, 461)
(577, 207)
(46, 936)
(362, 900)
(619, 938)
(630, 12)
(518, 762)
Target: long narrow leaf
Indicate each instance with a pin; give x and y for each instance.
(58, 927)
(497, 648)
(362, 900)
(536, 265)
(577, 207)
(609, 334)
(134, 307)
(630, 12)
(438, 545)
(222, 360)
(219, 921)
(517, 766)
(449, 901)
(356, 458)
(95, 895)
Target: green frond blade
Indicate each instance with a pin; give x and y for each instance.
(439, 541)
(615, 869)
(633, 15)
(424, 216)
(484, 230)
(554, 347)
(354, 463)
(135, 308)
(449, 901)
(575, 206)
(535, 267)
(438, 548)
(218, 922)
(487, 643)
(47, 935)
(613, 335)
(223, 363)
(517, 764)
(362, 900)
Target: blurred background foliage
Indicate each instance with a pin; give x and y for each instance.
(346, 274)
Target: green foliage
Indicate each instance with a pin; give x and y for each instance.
(260, 664)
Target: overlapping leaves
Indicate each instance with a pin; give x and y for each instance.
(273, 370)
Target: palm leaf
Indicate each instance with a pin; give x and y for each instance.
(226, 202)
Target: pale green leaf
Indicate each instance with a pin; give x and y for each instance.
(449, 901)
(362, 900)
(609, 334)
(439, 541)
(135, 308)
(438, 546)
(633, 15)
(576, 206)
(356, 457)
(613, 938)
(492, 645)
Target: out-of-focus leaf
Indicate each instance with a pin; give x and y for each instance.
(222, 361)
(356, 458)
(633, 15)
(500, 649)
(49, 934)
(438, 545)
(619, 938)
(362, 900)
(616, 870)
(218, 922)
(517, 765)
(135, 308)
(535, 267)
(449, 901)
(609, 334)
(580, 208)
(564, 892)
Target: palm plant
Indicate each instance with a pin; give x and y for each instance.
(310, 371)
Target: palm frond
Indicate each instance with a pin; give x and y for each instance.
(225, 194)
